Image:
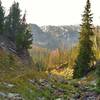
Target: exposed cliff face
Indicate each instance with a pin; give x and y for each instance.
(9, 47)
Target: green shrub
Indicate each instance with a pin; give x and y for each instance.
(98, 77)
(6, 60)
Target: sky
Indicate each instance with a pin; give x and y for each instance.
(56, 12)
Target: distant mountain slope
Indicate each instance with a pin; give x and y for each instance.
(52, 37)
(43, 39)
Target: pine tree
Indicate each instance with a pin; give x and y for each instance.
(1, 18)
(24, 39)
(13, 22)
(85, 57)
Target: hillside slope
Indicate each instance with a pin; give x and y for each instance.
(9, 47)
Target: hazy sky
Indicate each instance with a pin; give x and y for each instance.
(56, 12)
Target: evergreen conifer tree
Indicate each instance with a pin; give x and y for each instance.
(1, 18)
(17, 29)
(24, 38)
(86, 56)
(13, 22)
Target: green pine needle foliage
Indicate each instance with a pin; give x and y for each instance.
(86, 56)
(1, 18)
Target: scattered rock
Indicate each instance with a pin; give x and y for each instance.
(84, 78)
(33, 81)
(89, 96)
(76, 96)
(11, 96)
(59, 99)
(93, 82)
(14, 96)
(61, 90)
(53, 86)
(40, 98)
(8, 85)
(2, 94)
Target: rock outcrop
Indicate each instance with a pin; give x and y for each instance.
(9, 47)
